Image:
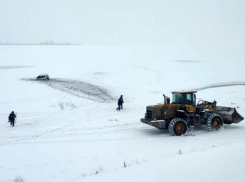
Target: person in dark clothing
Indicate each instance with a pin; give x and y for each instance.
(168, 100)
(12, 117)
(120, 103)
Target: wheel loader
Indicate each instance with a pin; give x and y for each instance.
(184, 112)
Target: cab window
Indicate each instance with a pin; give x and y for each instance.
(177, 98)
(191, 98)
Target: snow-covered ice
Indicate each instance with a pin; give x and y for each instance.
(68, 135)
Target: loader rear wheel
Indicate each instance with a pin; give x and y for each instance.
(214, 122)
(177, 126)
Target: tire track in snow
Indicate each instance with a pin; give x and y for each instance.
(89, 140)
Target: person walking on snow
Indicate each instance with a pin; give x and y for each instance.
(12, 117)
(120, 103)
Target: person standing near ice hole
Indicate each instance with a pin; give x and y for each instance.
(120, 103)
(12, 117)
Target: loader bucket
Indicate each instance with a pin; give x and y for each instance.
(229, 115)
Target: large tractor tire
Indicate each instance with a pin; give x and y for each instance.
(214, 122)
(177, 126)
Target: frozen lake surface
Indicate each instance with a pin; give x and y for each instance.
(68, 128)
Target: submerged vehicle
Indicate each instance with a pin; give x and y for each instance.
(183, 112)
(43, 77)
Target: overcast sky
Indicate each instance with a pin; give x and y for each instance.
(207, 22)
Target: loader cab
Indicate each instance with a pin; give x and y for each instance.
(184, 97)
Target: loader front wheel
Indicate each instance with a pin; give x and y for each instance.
(214, 122)
(177, 126)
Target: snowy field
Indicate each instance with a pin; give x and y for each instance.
(68, 129)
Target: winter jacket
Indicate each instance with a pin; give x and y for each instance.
(12, 116)
(120, 101)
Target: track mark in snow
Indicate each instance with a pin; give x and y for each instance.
(188, 61)
(99, 73)
(15, 67)
(86, 140)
